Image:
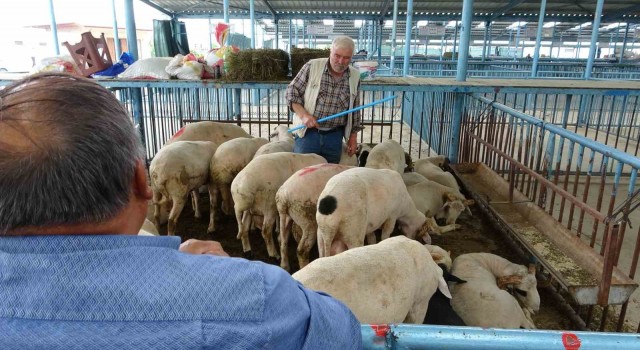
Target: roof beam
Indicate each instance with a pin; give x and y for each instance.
(617, 15)
(273, 12)
(166, 12)
(505, 8)
(385, 8)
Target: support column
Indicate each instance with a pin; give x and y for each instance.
(116, 37)
(515, 54)
(407, 37)
(594, 39)
(393, 37)
(484, 42)
(553, 35)
(461, 75)
(132, 38)
(624, 43)
(252, 21)
(132, 44)
(536, 52)
(225, 12)
(490, 37)
(275, 22)
(578, 45)
(381, 27)
(289, 37)
(455, 42)
(54, 29)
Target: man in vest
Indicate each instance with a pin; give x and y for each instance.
(324, 87)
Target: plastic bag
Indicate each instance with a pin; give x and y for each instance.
(56, 64)
(148, 68)
(117, 68)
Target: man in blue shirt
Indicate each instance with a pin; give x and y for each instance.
(73, 274)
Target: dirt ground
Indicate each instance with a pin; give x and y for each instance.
(476, 235)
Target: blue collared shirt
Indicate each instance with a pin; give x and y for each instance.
(135, 292)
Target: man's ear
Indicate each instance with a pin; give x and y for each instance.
(141, 188)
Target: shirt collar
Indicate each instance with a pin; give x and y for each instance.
(60, 244)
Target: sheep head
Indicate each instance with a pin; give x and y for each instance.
(524, 284)
(428, 227)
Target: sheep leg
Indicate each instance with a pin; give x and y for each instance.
(157, 197)
(285, 224)
(227, 199)
(371, 238)
(176, 209)
(213, 201)
(387, 229)
(448, 228)
(243, 218)
(194, 202)
(267, 234)
(309, 237)
(417, 312)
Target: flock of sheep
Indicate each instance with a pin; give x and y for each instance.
(337, 206)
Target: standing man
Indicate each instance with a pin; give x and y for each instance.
(324, 87)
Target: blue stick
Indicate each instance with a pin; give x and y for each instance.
(346, 112)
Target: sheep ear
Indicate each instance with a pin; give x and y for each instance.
(532, 268)
(450, 197)
(436, 256)
(442, 286)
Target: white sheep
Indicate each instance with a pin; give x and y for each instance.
(388, 282)
(439, 201)
(296, 200)
(176, 170)
(431, 171)
(387, 155)
(481, 302)
(254, 191)
(412, 178)
(346, 159)
(281, 141)
(231, 157)
(358, 201)
(148, 229)
(215, 132)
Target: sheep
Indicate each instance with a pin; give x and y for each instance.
(296, 200)
(435, 200)
(439, 161)
(281, 141)
(481, 302)
(440, 311)
(254, 190)
(346, 159)
(365, 149)
(388, 282)
(231, 157)
(215, 132)
(148, 229)
(387, 155)
(431, 171)
(176, 170)
(358, 201)
(412, 179)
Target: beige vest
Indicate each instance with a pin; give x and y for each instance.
(313, 89)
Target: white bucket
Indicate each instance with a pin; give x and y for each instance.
(367, 69)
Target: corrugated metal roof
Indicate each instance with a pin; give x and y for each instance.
(567, 14)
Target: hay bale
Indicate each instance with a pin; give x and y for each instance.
(301, 56)
(257, 65)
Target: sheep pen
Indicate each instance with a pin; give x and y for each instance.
(477, 234)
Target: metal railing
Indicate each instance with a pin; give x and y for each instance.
(558, 169)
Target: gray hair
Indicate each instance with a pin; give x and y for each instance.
(68, 151)
(343, 41)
